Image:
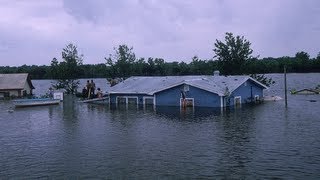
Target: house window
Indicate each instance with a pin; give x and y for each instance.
(127, 100)
(148, 103)
(121, 100)
(148, 100)
(237, 101)
(132, 100)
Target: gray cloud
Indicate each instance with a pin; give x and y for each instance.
(173, 30)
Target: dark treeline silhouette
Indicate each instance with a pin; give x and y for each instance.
(301, 63)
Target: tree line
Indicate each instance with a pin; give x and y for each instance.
(159, 67)
(231, 56)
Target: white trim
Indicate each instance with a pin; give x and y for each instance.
(117, 97)
(234, 100)
(188, 99)
(246, 80)
(181, 83)
(168, 87)
(258, 82)
(147, 97)
(126, 98)
(221, 101)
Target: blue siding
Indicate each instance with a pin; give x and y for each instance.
(202, 98)
(245, 92)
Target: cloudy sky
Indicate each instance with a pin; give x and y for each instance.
(35, 31)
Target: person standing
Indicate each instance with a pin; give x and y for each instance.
(93, 87)
(88, 85)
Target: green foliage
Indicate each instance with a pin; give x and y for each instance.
(302, 56)
(121, 62)
(232, 54)
(235, 57)
(66, 71)
(263, 79)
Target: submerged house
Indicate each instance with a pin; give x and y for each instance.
(200, 91)
(17, 85)
(306, 92)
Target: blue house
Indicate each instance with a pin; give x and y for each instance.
(199, 91)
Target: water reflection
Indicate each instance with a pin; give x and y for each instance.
(187, 114)
(81, 141)
(236, 139)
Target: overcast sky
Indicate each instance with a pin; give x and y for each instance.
(32, 32)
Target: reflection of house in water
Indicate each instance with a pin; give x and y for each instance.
(198, 91)
(188, 113)
(15, 85)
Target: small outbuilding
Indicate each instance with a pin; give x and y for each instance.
(200, 91)
(16, 85)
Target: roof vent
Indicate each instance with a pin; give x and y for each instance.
(216, 73)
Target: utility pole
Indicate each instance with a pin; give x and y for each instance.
(285, 85)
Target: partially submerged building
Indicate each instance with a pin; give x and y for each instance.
(306, 92)
(200, 91)
(17, 85)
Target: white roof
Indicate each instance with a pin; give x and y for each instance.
(152, 84)
(14, 81)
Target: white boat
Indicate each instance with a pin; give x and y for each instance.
(102, 100)
(35, 102)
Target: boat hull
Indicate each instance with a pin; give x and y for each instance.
(35, 102)
(103, 101)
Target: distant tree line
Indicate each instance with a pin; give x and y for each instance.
(231, 57)
(301, 63)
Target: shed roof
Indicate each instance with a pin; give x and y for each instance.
(14, 81)
(152, 84)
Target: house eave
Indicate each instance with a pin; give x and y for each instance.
(133, 93)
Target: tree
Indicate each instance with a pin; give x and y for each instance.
(232, 54)
(121, 62)
(67, 71)
(261, 78)
(303, 56)
(54, 69)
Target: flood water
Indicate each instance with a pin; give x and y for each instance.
(83, 141)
